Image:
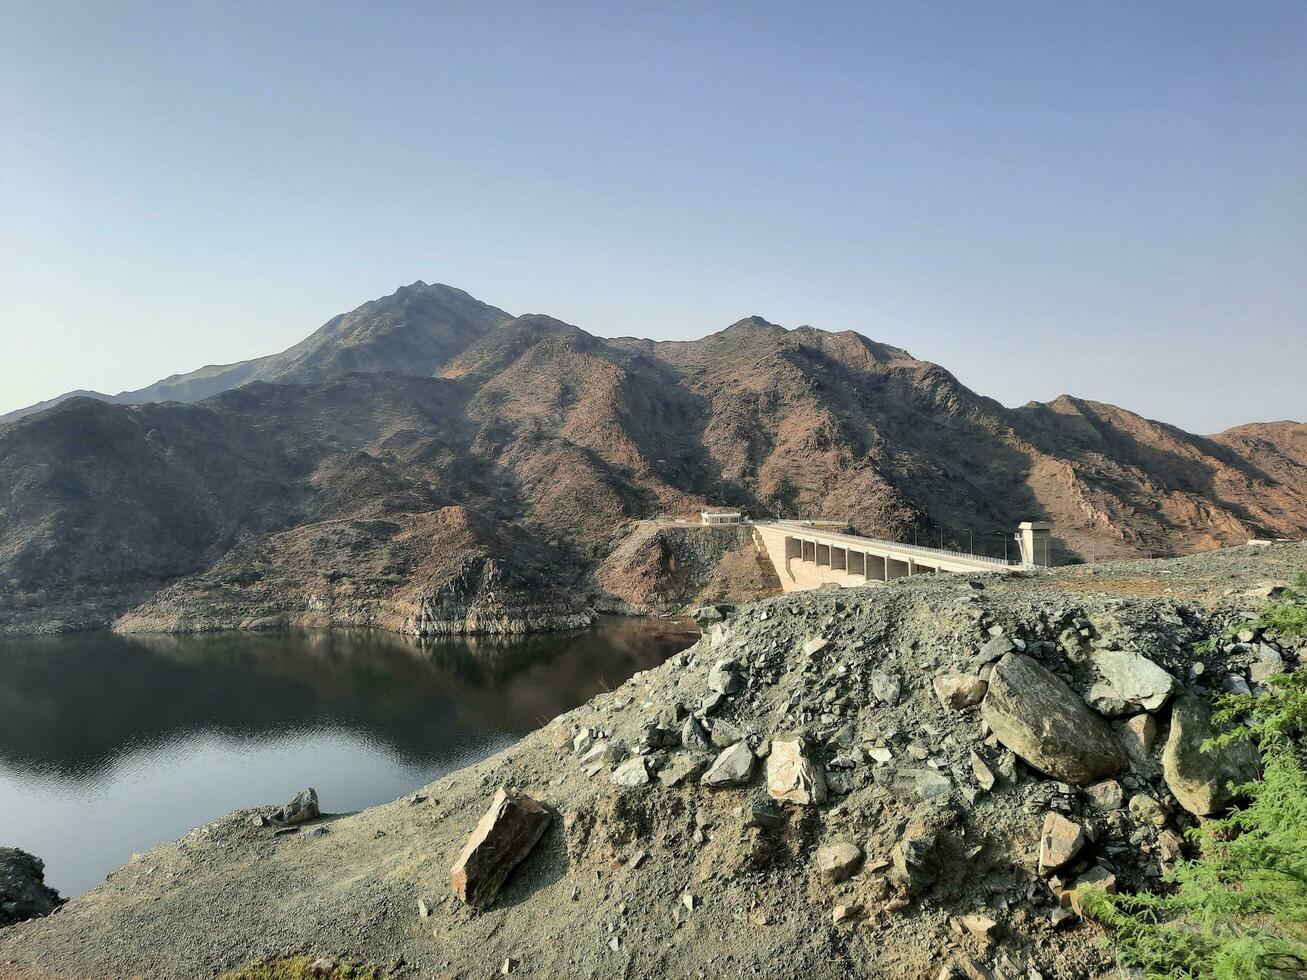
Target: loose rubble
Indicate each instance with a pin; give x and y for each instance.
(906, 781)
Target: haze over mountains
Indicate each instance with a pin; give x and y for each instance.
(428, 462)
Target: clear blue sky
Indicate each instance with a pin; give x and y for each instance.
(1106, 199)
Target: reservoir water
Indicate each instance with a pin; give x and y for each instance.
(112, 744)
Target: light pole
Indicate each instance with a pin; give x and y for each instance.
(971, 542)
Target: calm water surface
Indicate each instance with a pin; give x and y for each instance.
(111, 744)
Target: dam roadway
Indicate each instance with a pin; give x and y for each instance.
(807, 557)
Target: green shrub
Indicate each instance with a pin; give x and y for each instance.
(1238, 911)
(1287, 616)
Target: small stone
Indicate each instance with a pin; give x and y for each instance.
(984, 775)
(1170, 845)
(995, 648)
(681, 769)
(1138, 735)
(725, 677)
(689, 900)
(734, 767)
(1108, 794)
(815, 646)
(1147, 811)
(633, 772)
(959, 691)
(791, 775)
(887, 688)
(711, 703)
(1095, 879)
(693, 734)
(846, 913)
(509, 966)
(838, 862)
(924, 784)
(423, 911)
(980, 926)
(724, 734)
(604, 753)
(1059, 842)
(1235, 684)
(582, 741)
(1267, 664)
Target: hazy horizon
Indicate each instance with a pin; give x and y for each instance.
(1108, 201)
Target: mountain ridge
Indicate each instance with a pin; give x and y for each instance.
(264, 498)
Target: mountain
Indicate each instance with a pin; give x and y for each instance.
(430, 463)
(415, 330)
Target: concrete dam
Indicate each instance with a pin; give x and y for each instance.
(806, 556)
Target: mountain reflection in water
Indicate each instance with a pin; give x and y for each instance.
(111, 744)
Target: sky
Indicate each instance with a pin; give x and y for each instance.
(1105, 199)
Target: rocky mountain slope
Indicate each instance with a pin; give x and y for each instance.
(896, 782)
(304, 489)
(415, 330)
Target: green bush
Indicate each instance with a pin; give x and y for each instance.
(1238, 911)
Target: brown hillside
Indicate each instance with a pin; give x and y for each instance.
(549, 441)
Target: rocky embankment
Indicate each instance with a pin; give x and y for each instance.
(902, 782)
(433, 574)
(662, 567)
(23, 891)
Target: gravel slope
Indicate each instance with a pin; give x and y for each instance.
(604, 893)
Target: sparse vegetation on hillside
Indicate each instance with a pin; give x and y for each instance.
(1239, 910)
(303, 968)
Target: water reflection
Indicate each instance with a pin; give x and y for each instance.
(110, 744)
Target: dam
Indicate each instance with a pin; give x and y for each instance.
(807, 555)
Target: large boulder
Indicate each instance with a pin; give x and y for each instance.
(1128, 682)
(303, 807)
(23, 891)
(1047, 724)
(504, 836)
(958, 691)
(1200, 780)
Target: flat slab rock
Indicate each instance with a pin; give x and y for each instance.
(506, 834)
(1127, 683)
(1047, 724)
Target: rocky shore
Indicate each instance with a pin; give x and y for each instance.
(23, 891)
(902, 782)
